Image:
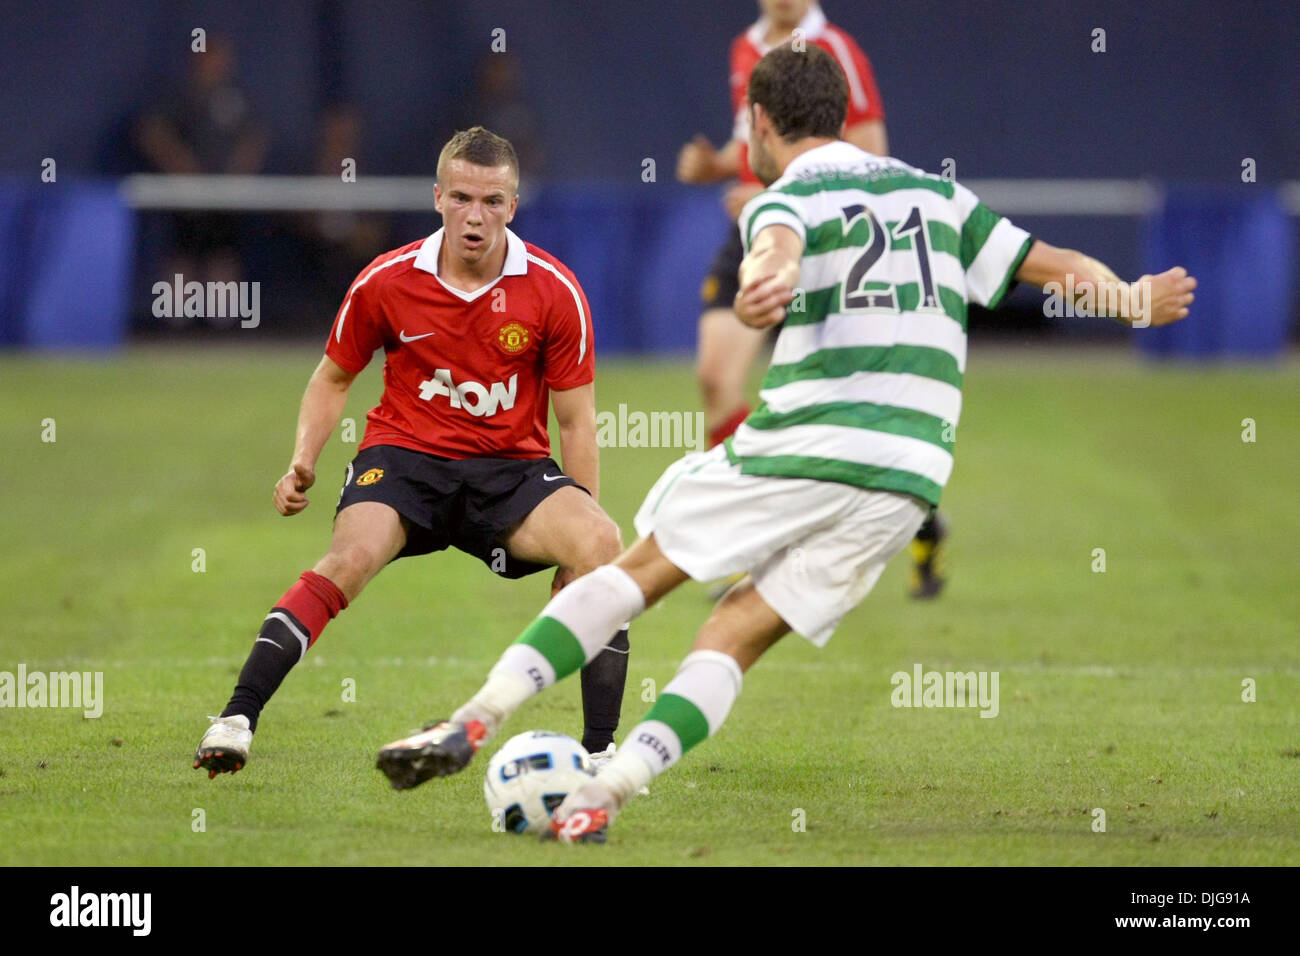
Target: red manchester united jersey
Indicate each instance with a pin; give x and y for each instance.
(748, 48)
(466, 374)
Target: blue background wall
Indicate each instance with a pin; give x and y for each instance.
(1185, 91)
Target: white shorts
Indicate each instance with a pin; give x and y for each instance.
(815, 549)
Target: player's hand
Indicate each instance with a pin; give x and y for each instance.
(735, 198)
(761, 304)
(1156, 300)
(289, 490)
(563, 578)
(697, 162)
(768, 277)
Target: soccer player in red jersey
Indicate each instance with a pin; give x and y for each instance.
(478, 329)
(727, 348)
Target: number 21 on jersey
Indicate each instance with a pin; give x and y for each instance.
(860, 294)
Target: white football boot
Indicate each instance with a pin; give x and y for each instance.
(599, 760)
(224, 748)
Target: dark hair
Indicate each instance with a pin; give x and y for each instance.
(481, 147)
(803, 92)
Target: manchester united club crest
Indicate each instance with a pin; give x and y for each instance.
(513, 338)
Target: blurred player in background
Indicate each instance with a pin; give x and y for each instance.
(727, 349)
(478, 329)
(206, 125)
(813, 499)
(499, 100)
(332, 244)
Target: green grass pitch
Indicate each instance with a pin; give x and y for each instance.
(1120, 691)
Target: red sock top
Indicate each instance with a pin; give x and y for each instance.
(314, 600)
(728, 428)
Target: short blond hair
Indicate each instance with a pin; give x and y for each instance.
(482, 147)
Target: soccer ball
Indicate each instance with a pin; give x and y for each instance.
(530, 776)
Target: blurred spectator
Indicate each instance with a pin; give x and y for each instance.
(497, 102)
(337, 243)
(205, 126)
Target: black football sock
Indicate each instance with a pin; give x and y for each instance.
(603, 681)
(292, 626)
(274, 653)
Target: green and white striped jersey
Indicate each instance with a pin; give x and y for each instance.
(865, 382)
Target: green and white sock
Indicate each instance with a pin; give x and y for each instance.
(691, 708)
(572, 629)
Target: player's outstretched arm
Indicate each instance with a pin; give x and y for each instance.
(1151, 300)
(322, 406)
(768, 276)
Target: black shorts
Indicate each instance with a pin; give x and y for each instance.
(467, 503)
(722, 283)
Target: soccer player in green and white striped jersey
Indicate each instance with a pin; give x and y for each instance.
(871, 264)
(865, 379)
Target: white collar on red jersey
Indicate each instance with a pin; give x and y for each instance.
(813, 25)
(516, 263)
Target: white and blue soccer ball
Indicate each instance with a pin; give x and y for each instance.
(530, 776)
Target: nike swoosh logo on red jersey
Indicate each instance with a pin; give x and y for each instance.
(411, 338)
